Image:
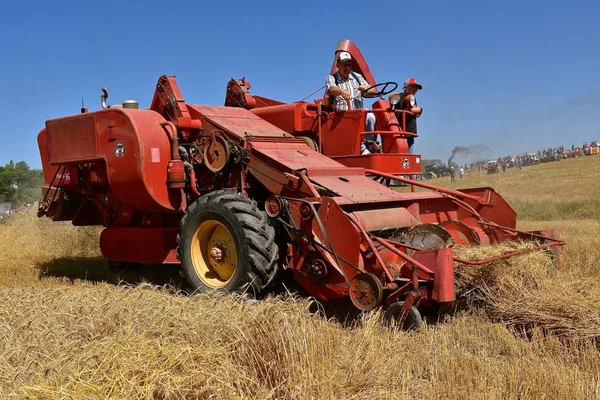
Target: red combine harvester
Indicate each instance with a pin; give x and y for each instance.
(234, 199)
(339, 135)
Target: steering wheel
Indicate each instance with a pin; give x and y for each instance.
(382, 92)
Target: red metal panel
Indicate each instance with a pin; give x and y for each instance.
(361, 189)
(143, 245)
(71, 139)
(497, 210)
(349, 183)
(342, 236)
(237, 121)
(395, 164)
(443, 281)
(295, 155)
(441, 263)
(137, 150)
(284, 116)
(133, 145)
(341, 132)
(357, 188)
(49, 171)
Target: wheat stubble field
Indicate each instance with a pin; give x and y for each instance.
(72, 329)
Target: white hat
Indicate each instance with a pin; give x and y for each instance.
(344, 56)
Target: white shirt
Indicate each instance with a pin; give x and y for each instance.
(351, 85)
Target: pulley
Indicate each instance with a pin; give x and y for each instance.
(273, 206)
(216, 153)
(366, 292)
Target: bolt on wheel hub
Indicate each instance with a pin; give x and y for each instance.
(214, 253)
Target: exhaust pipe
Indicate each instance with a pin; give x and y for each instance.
(131, 104)
(103, 98)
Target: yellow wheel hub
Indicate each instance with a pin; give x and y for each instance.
(214, 254)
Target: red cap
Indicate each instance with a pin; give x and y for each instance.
(412, 82)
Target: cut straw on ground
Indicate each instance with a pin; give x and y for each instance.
(70, 328)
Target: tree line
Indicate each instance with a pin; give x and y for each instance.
(19, 184)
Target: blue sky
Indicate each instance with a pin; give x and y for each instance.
(513, 76)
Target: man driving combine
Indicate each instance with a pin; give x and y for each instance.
(346, 87)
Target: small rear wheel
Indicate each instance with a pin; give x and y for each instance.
(226, 244)
(392, 316)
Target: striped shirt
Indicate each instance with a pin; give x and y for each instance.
(351, 85)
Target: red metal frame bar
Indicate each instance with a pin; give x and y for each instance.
(398, 292)
(483, 221)
(309, 184)
(319, 104)
(426, 186)
(193, 183)
(389, 133)
(558, 242)
(406, 257)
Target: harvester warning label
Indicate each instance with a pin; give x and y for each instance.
(155, 154)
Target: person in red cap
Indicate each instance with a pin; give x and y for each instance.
(408, 102)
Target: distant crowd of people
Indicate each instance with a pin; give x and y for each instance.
(526, 159)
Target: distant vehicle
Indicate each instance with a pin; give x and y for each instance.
(435, 170)
(551, 157)
(492, 167)
(531, 159)
(576, 152)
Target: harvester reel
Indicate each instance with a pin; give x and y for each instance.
(366, 291)
(463, 234)
(427, 236)
(216, 153)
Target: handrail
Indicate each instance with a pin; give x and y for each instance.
(363, 111)
(322, 114)
(399, 133)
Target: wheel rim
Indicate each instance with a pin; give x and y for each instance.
(214, 254)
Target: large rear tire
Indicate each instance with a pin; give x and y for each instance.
(226, 244)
